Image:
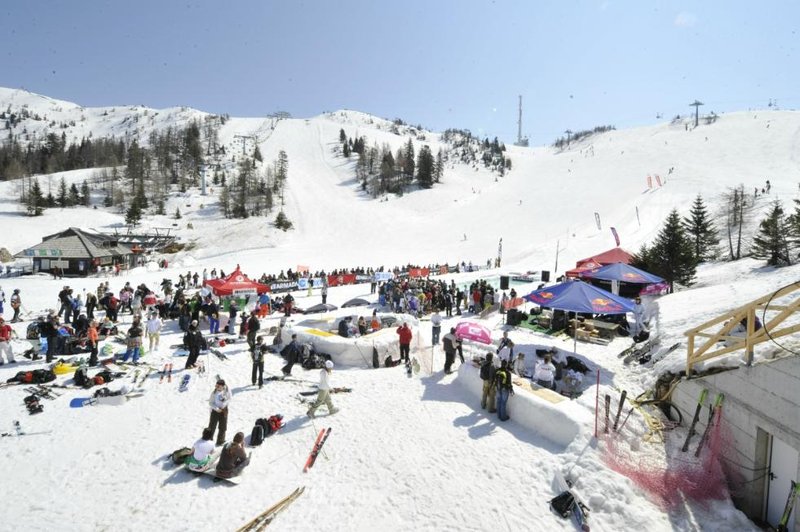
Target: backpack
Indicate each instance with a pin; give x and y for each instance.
(32, 333)
(82, 379)
(275, 423)
(180, 455)
(486, 371)
(257, 435)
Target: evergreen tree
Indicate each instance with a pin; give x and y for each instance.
(408, 159)
(50, 200)
(282, 222)
(36, 202)
(701, 231)
(160, 207)
(134, 214)
(257, 155)
(74, 196)
(85, 194)
(439, 168)
(63, 199)
(642, 259)
(178, 213)
(346, 149)
(672, 255)
(342, 136)
(225, 201)
(425, 167)
(772, 240)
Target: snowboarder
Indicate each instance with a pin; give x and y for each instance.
(233, 458)
(324, 394)
(202, 451)
(219, 401)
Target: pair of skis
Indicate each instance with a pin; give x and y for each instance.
(713, 419)
(166, 372)
(322, 437)
(263, 519)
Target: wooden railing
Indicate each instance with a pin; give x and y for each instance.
(775, 308)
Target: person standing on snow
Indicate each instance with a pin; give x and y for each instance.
(6, 332)
(253, 325)
(2, 299)
(449, 343)
(324, 393)
(405, 341)
(257, 356)
(219, 401)
(638, 317)
(193, 340)
(153, 329)
(292, 355)
(505, 389)
(324, 290)
(436, 327)
(16, 304)
(487, 376)
(233, 310)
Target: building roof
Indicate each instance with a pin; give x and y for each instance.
(75, 243)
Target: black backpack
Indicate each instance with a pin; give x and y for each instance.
(486, 371)
(82, 379)
(257, 435)
(32, 332)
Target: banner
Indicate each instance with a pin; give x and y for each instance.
(302, 283)
(616, 236)
(597, 219)
(282, 286)
(383, 276)
(301, 269)
(339, 280)
(419, 272)
(364, 278)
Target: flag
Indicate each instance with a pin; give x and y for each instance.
(616, 236)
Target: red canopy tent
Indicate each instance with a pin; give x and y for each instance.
(235, 284)
(612, 256)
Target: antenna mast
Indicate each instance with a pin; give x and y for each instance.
(521, 141)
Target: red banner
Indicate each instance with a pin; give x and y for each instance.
(338, 280)
(419, 272)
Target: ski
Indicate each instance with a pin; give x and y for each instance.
(136, 375)
(312, 458)
(653, 358)
(263, 519)
(169, 372)
(695, 419)
(713, 419)
(333, 390)
(608, 407)
(39, 393)
(219, 354)
(783, 524)
(579, 510)
(184, 383)
(638, 352)
(163, 373)
(619, 408)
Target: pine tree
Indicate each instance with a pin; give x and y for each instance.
(425, 167)
(134, 214)
(35, 204)
(63, 199)
(225, 201)
(85, 194)
(74, 196)
(772, 240)
(701, 231)
(672, 255)
(342, 136)
(178, 213)
(282, 222)
(439, 168)
(408, 159)
(345, 149)
(257, 155)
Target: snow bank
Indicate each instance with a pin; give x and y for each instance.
(560, 422)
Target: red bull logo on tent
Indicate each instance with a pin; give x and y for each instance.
(632, 276)
(602, 304)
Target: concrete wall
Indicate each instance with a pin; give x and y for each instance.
(759, 400)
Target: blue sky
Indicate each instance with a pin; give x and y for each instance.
(439, 63)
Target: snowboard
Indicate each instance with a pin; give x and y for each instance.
(112, 400)
(579, 510)
(638, 351)
(185, 382)
(212, 472)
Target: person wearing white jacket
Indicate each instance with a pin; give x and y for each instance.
(153, 330)
(219, 401)
(324, 394)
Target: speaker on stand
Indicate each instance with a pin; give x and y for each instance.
(504, 282)
(545, 276)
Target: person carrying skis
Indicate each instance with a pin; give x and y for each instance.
(257, 355)
(502, 379)
(487, 376)
(324, 393)
(6, 332)
(405, 341)
(202, 451)
(219, 401)
(233, 458)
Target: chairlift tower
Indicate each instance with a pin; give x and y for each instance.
(521, 141)
(696, 104)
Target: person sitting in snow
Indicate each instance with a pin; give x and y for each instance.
(202, 451)
(233, 458)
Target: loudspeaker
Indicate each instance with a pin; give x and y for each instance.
(504, 280)
(545, 276)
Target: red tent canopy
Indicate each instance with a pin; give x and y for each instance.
(236, 283)
(612, 256)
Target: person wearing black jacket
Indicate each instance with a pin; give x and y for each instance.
(253, 325)
(505, 388)
(292, 353)
(193, 340)
(449, 342)
(49, 329)
(257, 355)
(487, 376)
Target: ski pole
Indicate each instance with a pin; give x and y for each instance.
(619, 409)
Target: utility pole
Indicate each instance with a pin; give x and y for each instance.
(521, 141)
(696, 104)
(244, 141)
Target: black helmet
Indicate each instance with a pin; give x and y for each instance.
(16, 290)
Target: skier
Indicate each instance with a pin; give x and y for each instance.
(6, 332)
(324, 393)
(405, 341)
(16, 303)
(233, 458)
(257, 355)
(487, 376)
(219, 401)
(201, 452)
(502, 379)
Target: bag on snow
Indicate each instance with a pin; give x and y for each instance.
(82, 379)
(180, 455)
(257, 435)
(562, 503)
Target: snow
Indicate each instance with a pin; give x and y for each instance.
(405, 452)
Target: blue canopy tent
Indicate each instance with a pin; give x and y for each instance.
(620, 272)
(577, 296)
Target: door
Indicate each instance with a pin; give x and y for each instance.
(783, 469)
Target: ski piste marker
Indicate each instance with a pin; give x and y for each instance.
(312, 458)
(695, 419)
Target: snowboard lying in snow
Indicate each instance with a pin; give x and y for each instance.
(113, 400)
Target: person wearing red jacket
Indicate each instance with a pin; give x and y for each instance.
(405, 341)
(5, 342)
